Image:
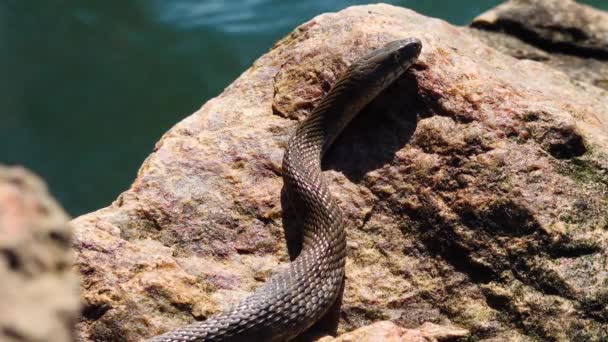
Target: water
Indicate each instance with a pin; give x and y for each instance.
(88, 87)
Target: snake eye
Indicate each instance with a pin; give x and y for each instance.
(396, 57)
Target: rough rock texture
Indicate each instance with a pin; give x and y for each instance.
(38, 292)
(387, 331)
(475, 194)
(562, 33)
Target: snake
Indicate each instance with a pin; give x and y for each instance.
(293, 299)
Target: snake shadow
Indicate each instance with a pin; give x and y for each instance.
(368, 143)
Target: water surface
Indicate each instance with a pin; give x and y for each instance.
(88, 87)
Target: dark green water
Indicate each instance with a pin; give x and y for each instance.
(88, 87)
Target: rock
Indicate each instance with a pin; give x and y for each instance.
(389, 332)
(434, 332)
(561, 25)
(379, 331)
(474, 194)
(562, 33)
(39, 298)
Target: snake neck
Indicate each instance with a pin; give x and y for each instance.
(329, 118)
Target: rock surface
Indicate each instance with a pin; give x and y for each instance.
(39, 299)
(474, 191)
(562, 33)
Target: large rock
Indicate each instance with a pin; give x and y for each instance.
(474, 193)
(39, 299)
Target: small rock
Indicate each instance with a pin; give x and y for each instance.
(387, 331)
(38, 291)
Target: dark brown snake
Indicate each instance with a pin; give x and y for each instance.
(295, 298)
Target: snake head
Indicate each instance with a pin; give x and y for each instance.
(381, 67)
(397, 53)
(392, 60)
(404, 51)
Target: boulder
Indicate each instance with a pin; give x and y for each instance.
(561, 33)
(39, 299)
(474, 193)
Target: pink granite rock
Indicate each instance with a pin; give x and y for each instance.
(387, 331)
(474, 193)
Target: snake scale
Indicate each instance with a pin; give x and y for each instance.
(295, 298)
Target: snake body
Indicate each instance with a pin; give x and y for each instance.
(295, 298)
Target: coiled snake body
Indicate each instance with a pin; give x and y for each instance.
(295, 298)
